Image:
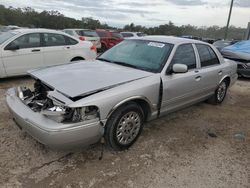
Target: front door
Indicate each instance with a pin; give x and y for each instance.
(28, 56)
(180, 89)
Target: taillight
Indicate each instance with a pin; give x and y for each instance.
(93, 47)
(82, 38)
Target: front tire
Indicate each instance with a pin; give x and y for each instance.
(219, 94)
(124, 126)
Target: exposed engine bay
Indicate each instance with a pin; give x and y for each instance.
(40, 101)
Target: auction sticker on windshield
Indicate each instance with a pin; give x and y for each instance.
(156, 44)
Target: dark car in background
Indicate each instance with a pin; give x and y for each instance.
(208, 40)
(109, 38)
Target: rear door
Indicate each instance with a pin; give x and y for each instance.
(183, 88)
(55, 49)
(28, 56)
(210, 69)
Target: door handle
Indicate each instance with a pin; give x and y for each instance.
(67, 47)
(198, 78)
(220, 72)
(35, 50)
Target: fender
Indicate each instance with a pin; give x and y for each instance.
(152, 107)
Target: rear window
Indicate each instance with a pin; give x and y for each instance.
(207, 55)
(53, 39)
(5, 36)
(70, 41)
(86, 33)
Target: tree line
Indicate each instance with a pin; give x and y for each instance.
(28, 17)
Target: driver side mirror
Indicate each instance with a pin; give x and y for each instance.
(179, 68)
(12, 47)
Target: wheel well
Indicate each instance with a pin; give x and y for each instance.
(227, 79)
(144, 106)
(77, 58)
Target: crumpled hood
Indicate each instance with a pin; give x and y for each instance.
(86, 77)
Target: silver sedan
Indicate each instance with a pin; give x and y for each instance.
(136, 81)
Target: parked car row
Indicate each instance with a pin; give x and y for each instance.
(102, 38)
(25, 49)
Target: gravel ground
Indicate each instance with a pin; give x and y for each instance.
(201, 146)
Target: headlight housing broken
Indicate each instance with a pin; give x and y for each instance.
(71, 115)
(39, 101)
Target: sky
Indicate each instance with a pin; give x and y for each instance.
(146, 12)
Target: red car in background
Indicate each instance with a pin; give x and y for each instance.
(109, 38)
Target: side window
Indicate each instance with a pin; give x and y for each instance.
(52, 39)
(27, 41)
(127, 35)
(70, 41)
(184, 55)
(207, 55)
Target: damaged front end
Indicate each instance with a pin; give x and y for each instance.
(43, 100)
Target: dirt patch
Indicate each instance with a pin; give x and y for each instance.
(175, 151)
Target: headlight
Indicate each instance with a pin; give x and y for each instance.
(71, 115)
(55, 113)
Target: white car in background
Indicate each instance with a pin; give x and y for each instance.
(132, 34)
(25, 49)
(85, 35)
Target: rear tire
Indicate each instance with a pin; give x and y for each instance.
(220, 93)
(124, 126)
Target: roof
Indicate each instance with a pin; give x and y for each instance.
(37, 30)
(168, 39)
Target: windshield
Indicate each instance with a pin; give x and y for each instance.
(5, 36)
(145, 55)
(86, 33)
